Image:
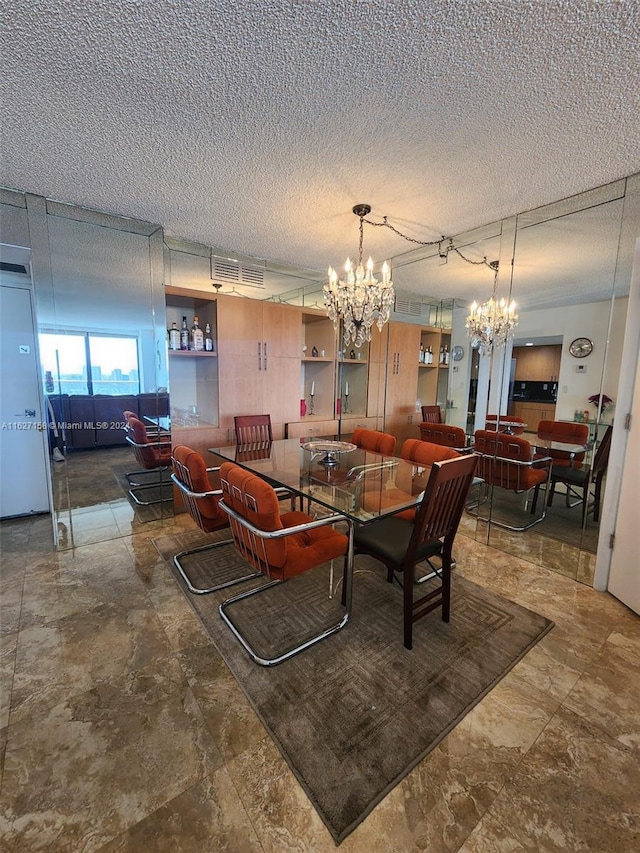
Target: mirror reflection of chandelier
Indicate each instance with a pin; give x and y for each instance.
(491, 324)
(359, 299)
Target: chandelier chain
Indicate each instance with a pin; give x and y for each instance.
(449, 248)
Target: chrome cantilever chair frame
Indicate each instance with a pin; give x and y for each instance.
(543, 462)
(253, 539)
(160, 470)
(155, 433)
(190, 499)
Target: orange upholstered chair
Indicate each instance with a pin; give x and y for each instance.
(569, 432)
(507, 461)
(153, 455)
(280, 546)
(409, 479)
(377, 442)
(445, 435)
(191, 476)
(401, 545)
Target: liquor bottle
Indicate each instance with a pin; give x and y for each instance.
(429, 356)
(208, 340)
(184, 334)
(174, 336)
(446, 355)
(421, 354)
(197, 338)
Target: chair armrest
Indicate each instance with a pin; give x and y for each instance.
(285, 531)
(191, 493)
(359, 471)
(166, 443)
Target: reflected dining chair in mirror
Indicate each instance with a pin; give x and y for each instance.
(445, 435)
(507, 461)
(505, 423)
(565, 432)
(280, 546)
(191, 475)
(578, 481)
(153, 456)
(253, 429)
(375, 441)
(431, 414)
(401, 545)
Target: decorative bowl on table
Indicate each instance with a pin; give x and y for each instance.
(329, 450)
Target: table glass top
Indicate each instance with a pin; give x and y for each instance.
(359, 484)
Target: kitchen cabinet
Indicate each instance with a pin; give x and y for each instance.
(537, 363)
(533, 413)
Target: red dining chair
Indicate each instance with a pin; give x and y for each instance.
(569, 432)
(507, 461)
(445, 435)
(279, 546)
(191, 475)
(375, 441)
(152, 455)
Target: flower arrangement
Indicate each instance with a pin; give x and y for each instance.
(601, 400)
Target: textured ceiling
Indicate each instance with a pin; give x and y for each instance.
(256, 126)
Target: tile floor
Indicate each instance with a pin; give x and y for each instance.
(122, 731)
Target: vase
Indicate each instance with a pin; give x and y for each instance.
(303, 407)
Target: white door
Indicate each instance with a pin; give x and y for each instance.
(624, 466)
(624, 577)
(23, 440)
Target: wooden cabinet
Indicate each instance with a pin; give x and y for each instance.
(258, 358)
(533, 413)
(537, 363)
(401, 377)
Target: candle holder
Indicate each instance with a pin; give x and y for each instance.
(311, 396)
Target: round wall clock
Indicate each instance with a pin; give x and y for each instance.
(457, 353)
(581, 347)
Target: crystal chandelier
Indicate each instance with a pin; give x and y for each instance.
(491, 324)
(359, 298)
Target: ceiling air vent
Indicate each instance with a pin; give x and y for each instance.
(407, 306)
(19, 268)
(228, 271)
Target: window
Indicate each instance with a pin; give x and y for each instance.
(84, 363)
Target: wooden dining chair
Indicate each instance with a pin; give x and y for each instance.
(191, 475)
(253, 429)
(431, 414)
(401, 545)
(280, 546)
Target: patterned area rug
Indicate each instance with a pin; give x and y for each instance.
(355, 713)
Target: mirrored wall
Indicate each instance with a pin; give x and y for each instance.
(567, 266)
(102, 340)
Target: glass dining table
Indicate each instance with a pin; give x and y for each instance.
(360, 485)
